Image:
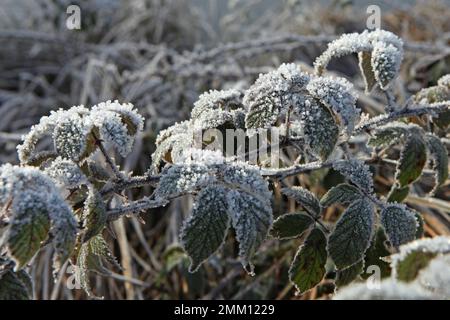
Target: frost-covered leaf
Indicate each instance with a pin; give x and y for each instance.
(397, 194)
(375, 254)
(438, 153)
(12, 287)
(352, 234)
(365, 65)
(305, 198)
(357, 172)
(347, 275)
(444, 81)
(94, 214)
(388, 134)
(273, 93)
(338, 95)
(133, 121)
(416, 255)
(434, 94)
(399, 223)
(388, 290)
(205, 230)
(90, 258)
(66, 173)
(342, 193)
(251, 218)
(308, 267)
(29, 227)
(179, 179)
(320, 130)
(386, 60)
(412, 160)
(290, 225)
(70, 136)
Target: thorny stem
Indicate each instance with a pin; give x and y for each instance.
(134, 182)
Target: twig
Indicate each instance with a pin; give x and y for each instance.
(119, 175)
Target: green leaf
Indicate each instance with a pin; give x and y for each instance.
(308, 267)
(290, 225)
(252, 219)
(94, 214)
(342, 193)
(357, 172)
(351, 236)
(29, 228)
(173, 256)
(376, 251)
(438, 152)
(206, 229)
(320, 136)
(262, 114)
(347, 275)
(12, 287)
(408, 269)
(412, 160)
(388, 134)
(305, 198)
(397, 194)
(399, 223)
(365, 65)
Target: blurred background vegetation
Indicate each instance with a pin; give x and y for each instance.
(160, 55)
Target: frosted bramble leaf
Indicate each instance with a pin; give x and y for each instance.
(29, 227)
(90, 257)
(247, 178)
(438, 153)
(389, 134)
(170, 143)
(412, 160)
(444, 81)
(433, 95)
(436, 278)
(305, 198)
(94, 214)
(45, 127)
(388, 290)
(12, 287)
(357, 172)
(130, 117)
(70, 136)
(347, 275)
(365, 65)
(290, 225)
(399, 223)
(320, 130)
(346, 44)
(384, 36)
(416, 255)
(205, 230)
(352, 234)
(386, 60)
(66, 173)
(179, 179)
(273, 93)
(308, 267)
(64, 229)
(251, 218)
(342, 193)
(338, 95)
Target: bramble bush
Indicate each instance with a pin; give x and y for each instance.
(66, 196)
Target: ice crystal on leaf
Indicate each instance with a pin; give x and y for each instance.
(66, 173)
(73, 130)
(37, 210)
(272, 93)
(338, 95)
(386, 61)
(380, 53)
(444, 81)
(357, 172)
(399, 223)
(436, 277)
